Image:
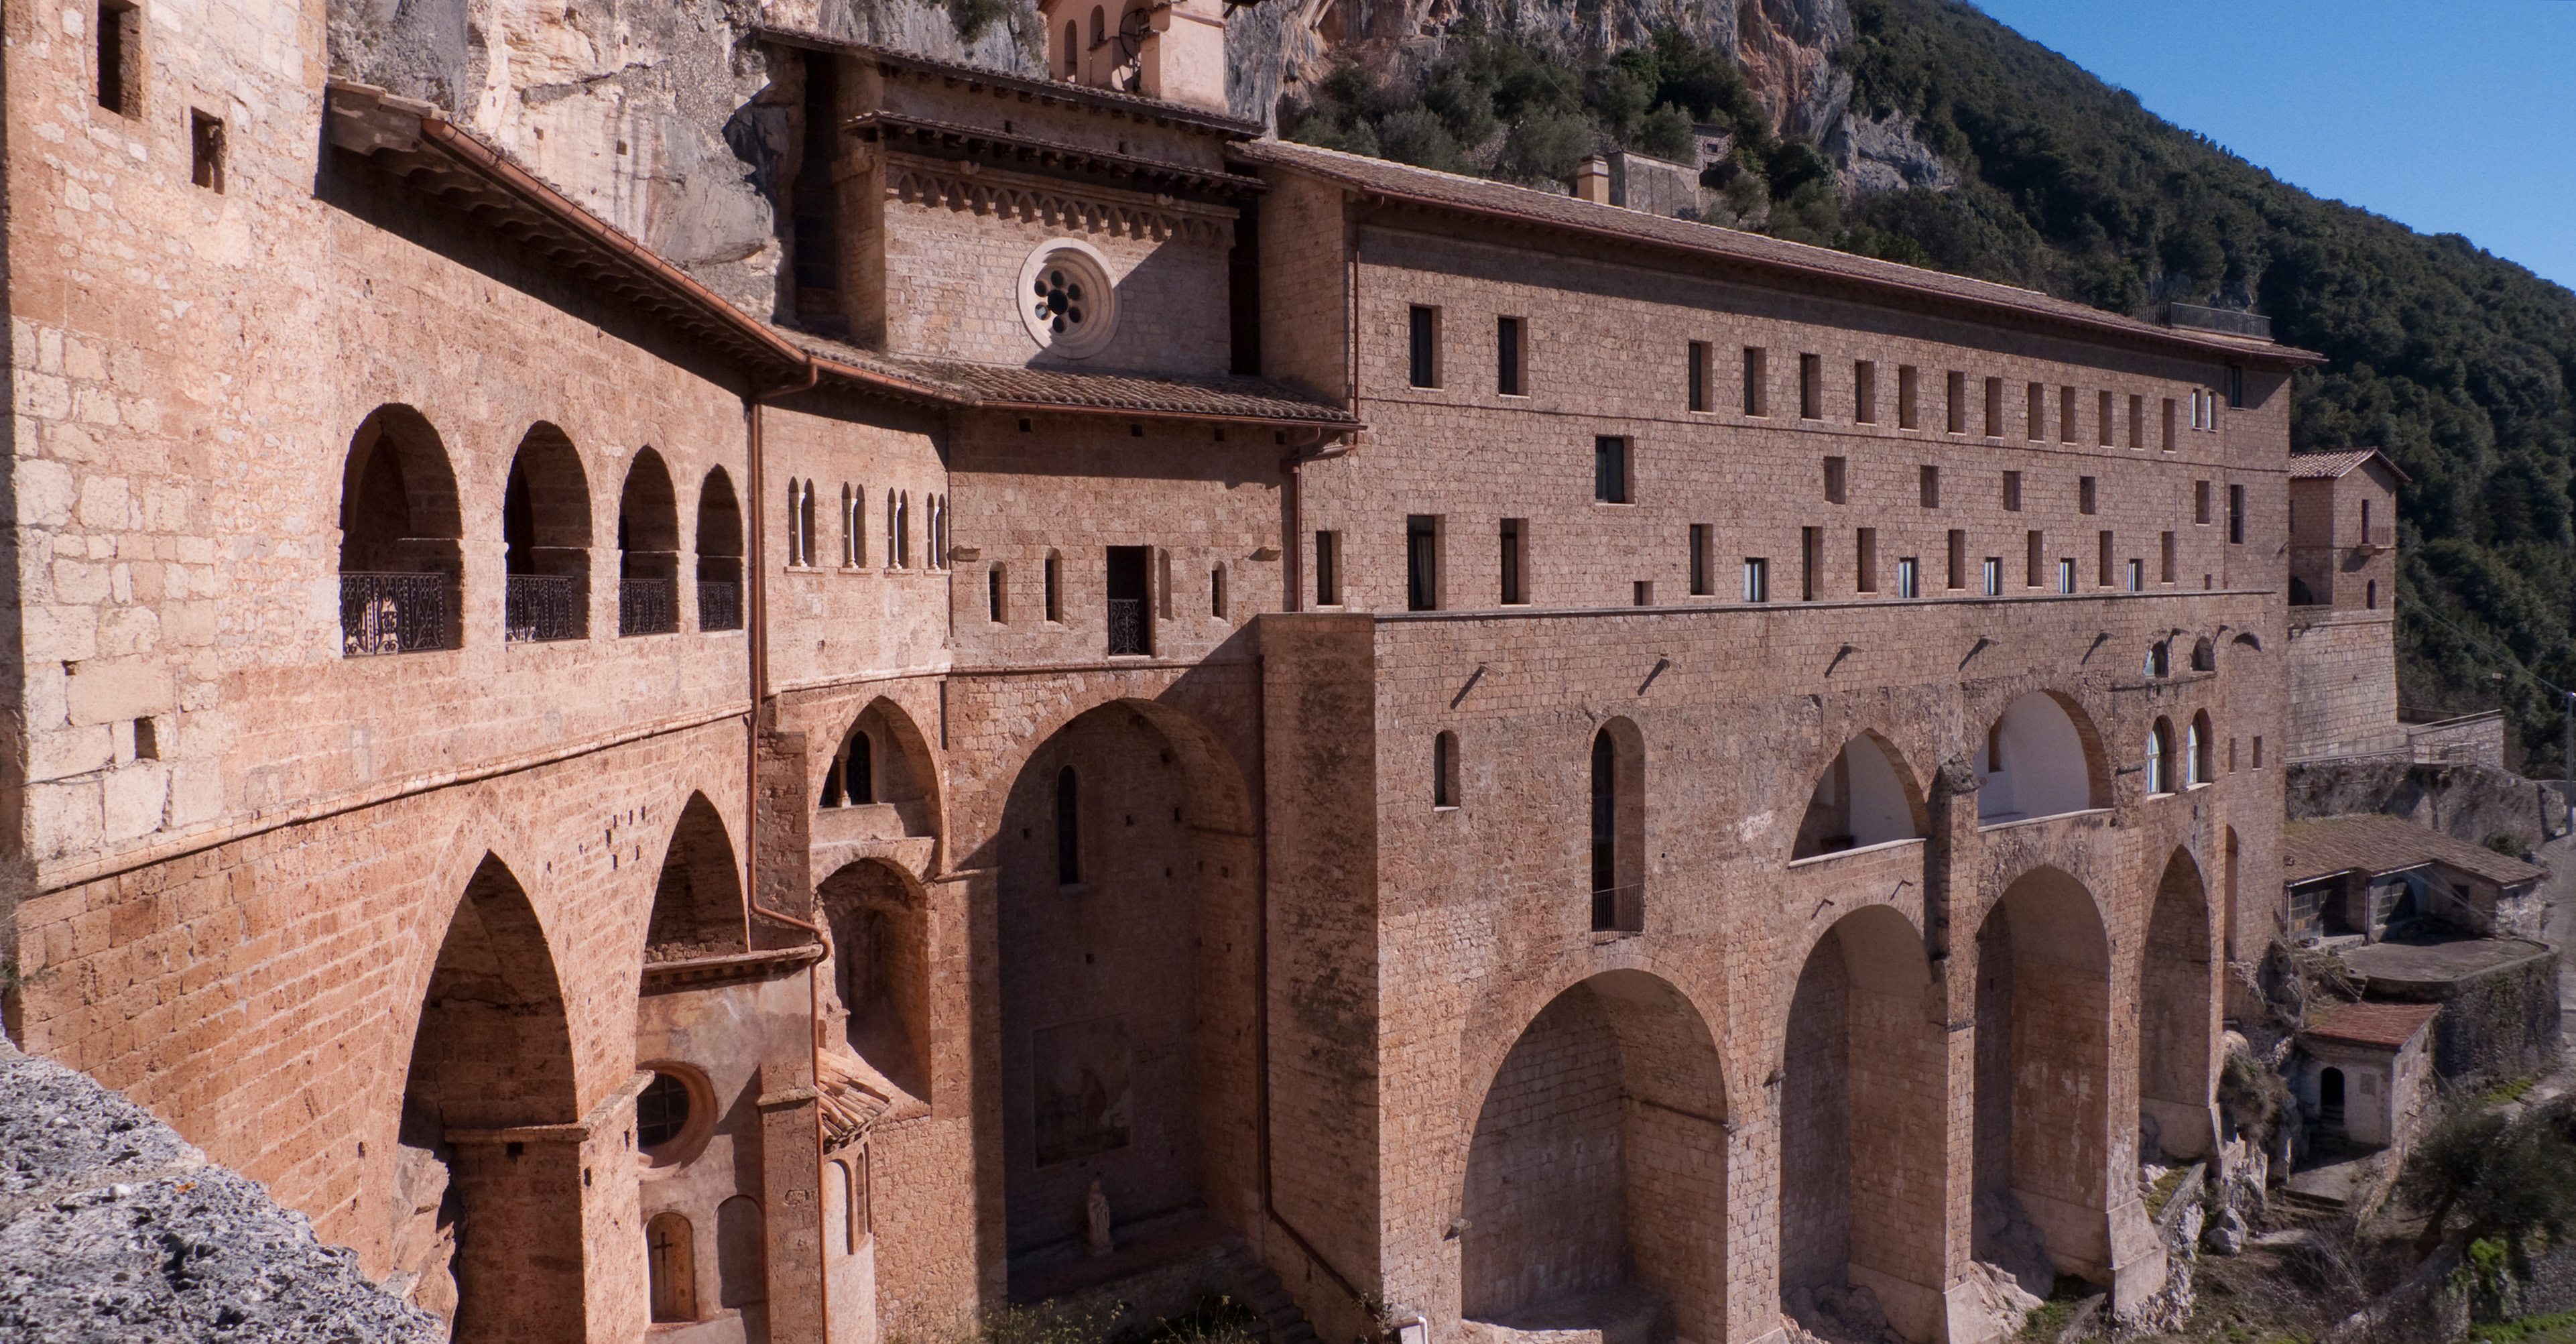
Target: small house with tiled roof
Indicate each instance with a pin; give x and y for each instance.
(2366, 1073)
(2367, 875)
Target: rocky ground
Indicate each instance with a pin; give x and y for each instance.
(113, 1229)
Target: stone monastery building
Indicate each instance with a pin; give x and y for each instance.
(1502, 760)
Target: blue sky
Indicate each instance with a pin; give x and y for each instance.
(2450, 116)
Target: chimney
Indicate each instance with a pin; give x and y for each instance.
(1592, 180)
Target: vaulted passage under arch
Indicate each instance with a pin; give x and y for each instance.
(2043, 1078)
(492, 1052)
(2174, 1011)
(1596, 1180)
(1861, 1124)
(878, 1001)
(1125, 939)
(2036, 762)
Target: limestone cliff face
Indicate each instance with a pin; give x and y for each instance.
(662, 116)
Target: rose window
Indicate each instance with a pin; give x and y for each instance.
(1066, 300)
(1059, 302)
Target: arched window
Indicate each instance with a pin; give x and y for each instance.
(2195, 752)
(2158, 662)
(671, 1267)
(805, 526)
(851, 780)
(400, 557)
(2370, 594)
(1618, 829)
(892, 558)
(1068, 830)
(545, 531)
(2204, 656)
(2159, 766)
(719, 554)
(648, 549)
(1099, 25)
(1861, 799)
(1444, 770)
(1072, 50)
(903, 530)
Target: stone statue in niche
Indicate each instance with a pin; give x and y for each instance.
(1095, 1222)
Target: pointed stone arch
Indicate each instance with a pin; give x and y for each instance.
(1595, 1184)
(1865, 796)
(2176, 1011)
(698, 908)
(491, 1057)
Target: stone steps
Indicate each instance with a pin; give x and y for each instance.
(1258, 1286)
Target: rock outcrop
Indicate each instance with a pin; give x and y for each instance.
(113, 1229)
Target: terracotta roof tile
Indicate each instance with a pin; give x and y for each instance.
(2385, 844)
(2390, 1025)
(2329, 466)
(1006, 387)
(1478, 195)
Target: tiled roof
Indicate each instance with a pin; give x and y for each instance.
(2390, 1025)
(1005, 387)
(2383, 844)
(1452, 191)
(1034, 86)
(2329, 466)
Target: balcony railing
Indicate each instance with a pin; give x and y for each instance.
(540, 607)
(1126, 625)
(1619, 909)
(392, 613)
(719, 604)
(647, 607)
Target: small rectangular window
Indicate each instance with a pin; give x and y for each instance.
(2170, 557)
(2066, 574)
(1328, 569)
(2169, 425)
(147, 740)
(1811, 387)
(1757, 579)
(1909, 577)
(1957, 411)
(1958, 559)
(1864, 392)
(1163, 584)
(2236, 386)
(1644, 593)
(1994, 576)
(2258, 751)
(2102, 571)
(1699, 375)
(2086, 500)
(2012, 492)
(2236, 515)
(2105, 422)
(1994, 408)
(1905, 396)
(1836, 480)
(120, 49)
(1444, 770)
(1610, 470)
(2066, 415)
(1054, 588)
(1425, 346)
(1866, 559)
(2200, 503)
(1700, 578)
(2137, 575)
(1216, 592)
(993, 591)
(1508, 349)
(2137, 422)
(1515, 559)
(1753, 379)
(206, 151)
(2036, 413)
(1422, 562)
(2037, 566)
(1928, 486)
(1811, 559)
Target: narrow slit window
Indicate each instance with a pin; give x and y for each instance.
(1698, 375)
(2102, 571)
(1811, 387)
(120, 48)
(206, 151)
(1928, 486)
(1958, 555)
(2200, 503)
(1610, 470)
(1757, 579)
(2169, 425)
(2036, 414)
(1054, 587)
(993, 589)
(1753, 399)
(2170, 557)
(1700, 579)
(2038, 562)
(1424, 347)
(2105, 422)
(1864, 392)
(2066, 415)
(1958, 407)
(1909, 576)
(1905, 397)
(1216, 592)
(1515, 559)
(2066, 574)
(2137, 422)
(1508, 350)
(2236, 515)
(1836, 480)
(1422, 562)
(1865, 559)
(1444, 769)
(1994, 408)
(1811, 560)
(1328, 569)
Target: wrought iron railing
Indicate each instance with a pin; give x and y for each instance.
(1619, 909)
(539, 607)
(1126, 625)
(719, 604)
(647, 607)
(392, 613)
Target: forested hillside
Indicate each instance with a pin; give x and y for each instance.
(2457, 363)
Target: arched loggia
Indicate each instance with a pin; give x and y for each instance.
(1862, 799)
(2039, 758)
(401, 554)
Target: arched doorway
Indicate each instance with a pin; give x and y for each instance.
(2174, 1020)
(545, 534)
(1596, 1183)
(2042, 1157)
(492, 1053)
(648, 549)
(401, 556)
(1125, 939)
(1860, 1138)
